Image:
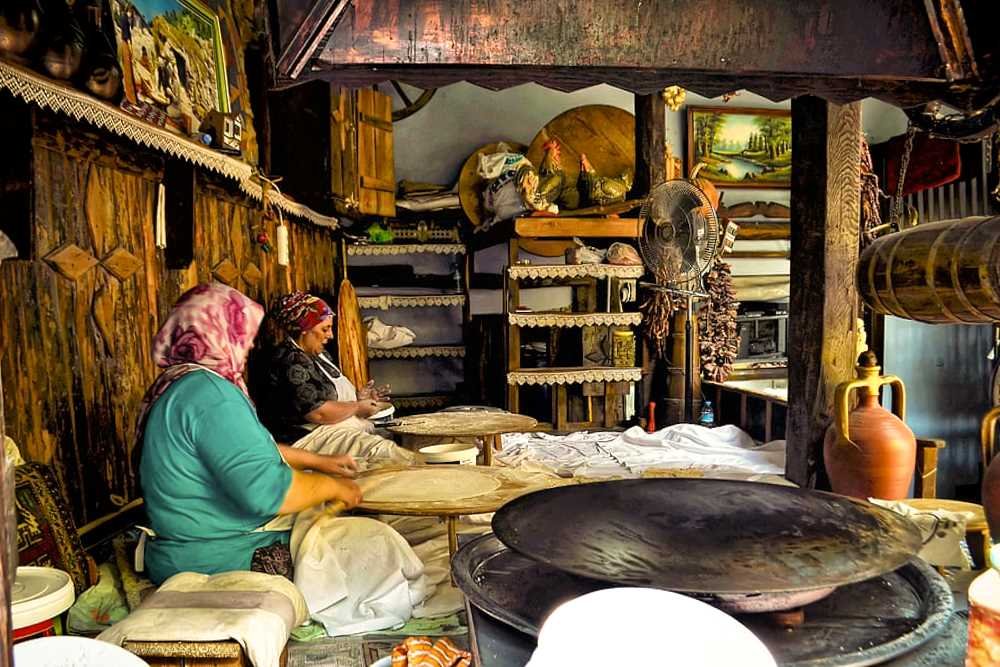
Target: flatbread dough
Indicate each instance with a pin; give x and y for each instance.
(428, 485)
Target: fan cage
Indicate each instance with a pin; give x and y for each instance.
(672, 216)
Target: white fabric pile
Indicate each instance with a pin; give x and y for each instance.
(257, 610)
(722, 451)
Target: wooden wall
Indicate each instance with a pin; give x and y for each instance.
(75, 353)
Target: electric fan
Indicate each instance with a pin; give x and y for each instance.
(678, 242)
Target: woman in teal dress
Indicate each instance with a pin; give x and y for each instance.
(211, 474)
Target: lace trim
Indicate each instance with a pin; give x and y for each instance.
(574, 319)
(574, 376)
(387, 301)
(576, 271)
(407, 249)
(417, 352)
(36, 89)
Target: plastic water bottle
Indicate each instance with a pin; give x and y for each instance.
(707, 416)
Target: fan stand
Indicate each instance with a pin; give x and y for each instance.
(689, 295)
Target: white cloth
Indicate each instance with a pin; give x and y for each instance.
(943, 533)
(357, 574)
(257, 610)
(721, 451)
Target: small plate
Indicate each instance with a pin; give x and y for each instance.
(382, 662)
(385, 410)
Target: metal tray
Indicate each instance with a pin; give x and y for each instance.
(860, 624)
(706, 535)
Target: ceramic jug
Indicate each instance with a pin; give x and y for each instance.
(991, 470)
(870, 452)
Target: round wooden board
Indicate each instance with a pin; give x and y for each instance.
(470, 185)
(352, 337)
(512, 484)
(605, 133)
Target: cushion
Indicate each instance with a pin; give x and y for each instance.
(943, 533)
(46, 534)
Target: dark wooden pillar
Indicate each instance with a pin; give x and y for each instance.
(650, 169)
(823, 307)
(7, 536)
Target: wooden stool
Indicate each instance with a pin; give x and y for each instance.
(975, 525)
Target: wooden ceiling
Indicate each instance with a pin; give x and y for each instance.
(907, 52)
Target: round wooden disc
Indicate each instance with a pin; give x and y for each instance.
(470, 185)
(605, 133)
(352, 337)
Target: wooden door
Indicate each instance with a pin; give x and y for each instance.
(376, 170)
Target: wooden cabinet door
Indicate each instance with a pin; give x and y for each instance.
(376, 170)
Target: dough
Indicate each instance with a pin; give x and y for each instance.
(428, 485)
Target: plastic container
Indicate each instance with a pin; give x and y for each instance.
(38, 597)
(461, 453)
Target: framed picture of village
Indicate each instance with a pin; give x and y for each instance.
(740, 148)
(172, 58)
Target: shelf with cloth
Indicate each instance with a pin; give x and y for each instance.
(574, 375)
(541, 271)
(557, 319)
(417, 352)
(388, 301)
(354, 249)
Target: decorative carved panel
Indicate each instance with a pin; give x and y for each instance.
(121, 263)
(71, 260)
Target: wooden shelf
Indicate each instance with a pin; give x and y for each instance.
(537, 227)
(406, 249)
(573, 375)
(418, 352)
(387, 301)
(542, 271)
(575, 319)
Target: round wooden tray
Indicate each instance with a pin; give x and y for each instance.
(513, 484)
(463, 423)
(470, 185)
(605, 133)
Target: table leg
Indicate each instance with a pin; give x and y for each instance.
(452, 536)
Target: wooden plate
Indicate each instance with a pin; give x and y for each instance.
(470, 185)
(605, 133)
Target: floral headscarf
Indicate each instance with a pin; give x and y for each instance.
(210, 327)
(299, 311)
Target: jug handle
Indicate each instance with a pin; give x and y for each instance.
(842, 398)
(987, 436)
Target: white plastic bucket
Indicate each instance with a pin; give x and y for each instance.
(461, 453)
(38, 597)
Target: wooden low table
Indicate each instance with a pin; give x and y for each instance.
(509, 483)
(486, 425)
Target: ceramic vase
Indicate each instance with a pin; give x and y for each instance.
(991, 473)
(20, 27)
(869, 451)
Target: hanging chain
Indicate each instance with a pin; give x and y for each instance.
(896, 215)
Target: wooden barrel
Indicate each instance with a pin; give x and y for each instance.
(942, 273)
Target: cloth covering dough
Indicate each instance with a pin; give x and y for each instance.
(427, 485)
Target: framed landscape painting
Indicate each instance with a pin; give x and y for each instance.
(172, 57)
(741, 148)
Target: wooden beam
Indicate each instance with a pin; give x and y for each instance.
(583, 227)
(823, 304)
(650, 143)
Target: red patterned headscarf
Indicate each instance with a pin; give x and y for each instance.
(298, 312)
(211, 327)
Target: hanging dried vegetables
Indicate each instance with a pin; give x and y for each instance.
(719, 340)
(660, 305)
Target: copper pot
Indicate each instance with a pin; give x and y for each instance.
(20, 24)
(870, 452)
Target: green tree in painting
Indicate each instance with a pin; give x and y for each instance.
(706, 129)
(775, 135)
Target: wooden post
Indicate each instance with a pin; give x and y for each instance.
(6, 536)
(650, 169)
(823, 306)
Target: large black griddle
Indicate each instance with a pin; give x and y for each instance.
(859, 624)
(707, 536)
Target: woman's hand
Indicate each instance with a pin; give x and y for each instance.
(341, 466)
(365, 408)
(348, 492)
(370, 391)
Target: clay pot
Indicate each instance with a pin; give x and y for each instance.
(20, 26)
(870, 452)
(991, 478)
(64, 43)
